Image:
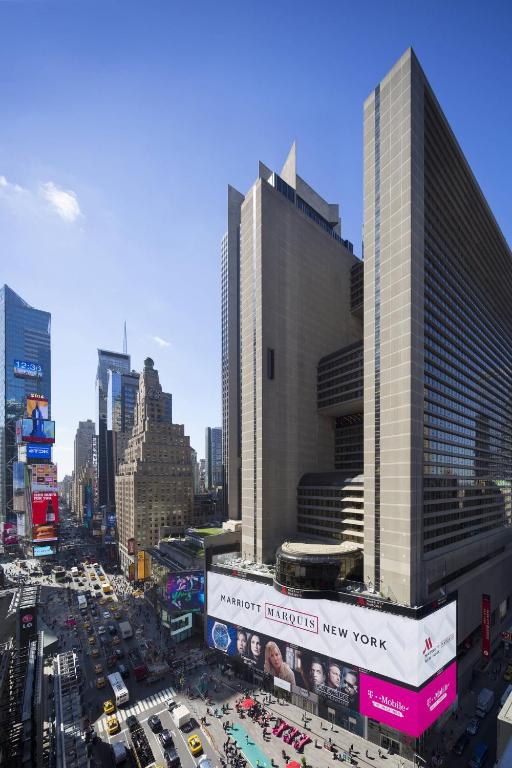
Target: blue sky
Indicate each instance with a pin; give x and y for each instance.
(124, 122)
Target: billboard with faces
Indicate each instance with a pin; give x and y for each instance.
(332, 680)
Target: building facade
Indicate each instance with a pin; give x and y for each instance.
(154, 484)
(213, 457)
(25, 368)
(230, 358)
(294, 308)
(107, 361)
(82, 455)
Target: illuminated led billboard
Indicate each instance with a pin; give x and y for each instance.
(44, 476)
(44, 532)
(35, 431)
(26, 369)
(37, 407)
(38, 452)
(45, 507)
(185, 591)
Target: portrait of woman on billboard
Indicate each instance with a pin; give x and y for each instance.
(255, 650)
(275, 665)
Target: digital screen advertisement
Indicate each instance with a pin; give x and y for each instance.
(44, 532)
(35, 431)
(19, 477)
(404, 649)
(45, 507)
(44, 477)
(43, 551)
(410, 712)
(9, 534)
(39, 452)
(185, 591)
(26, 369)
(37, 407)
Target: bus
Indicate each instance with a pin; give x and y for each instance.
(59, 572)
(119, 689)
(82, 603)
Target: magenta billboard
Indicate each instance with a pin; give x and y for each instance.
(408, 711)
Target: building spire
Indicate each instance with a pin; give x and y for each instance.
(125, 341)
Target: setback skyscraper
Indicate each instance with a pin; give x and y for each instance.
(213, 457)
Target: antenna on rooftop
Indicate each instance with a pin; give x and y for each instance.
(125, 341)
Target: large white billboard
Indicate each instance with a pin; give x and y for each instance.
(404, 649)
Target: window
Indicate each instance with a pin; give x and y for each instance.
(270, 363)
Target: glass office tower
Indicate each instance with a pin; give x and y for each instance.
(25, 368)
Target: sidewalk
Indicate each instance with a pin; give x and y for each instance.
(320, 731)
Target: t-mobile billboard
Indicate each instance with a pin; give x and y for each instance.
(410, 712)
(404, 649)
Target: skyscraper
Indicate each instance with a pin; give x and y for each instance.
(83, 451)
(122, 391)
(438, 359)
(154, 484)
(295, 277)
(213, 457)
(25, 368)
(230, 358)
(107, 361)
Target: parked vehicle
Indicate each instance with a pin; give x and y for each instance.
(461, 744)
(479, 755)
(485, 702)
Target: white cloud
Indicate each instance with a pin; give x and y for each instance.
(63, 201)
(161, 342)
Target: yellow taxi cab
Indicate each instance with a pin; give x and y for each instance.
(102, 600)
(95, 653)
(98, 669)
(87, 625)
(102, 577)
(100, 682)
(194, 744)
(107, 589)
(112, 725)
(137, 593)
(92, 640)
(109, 707)
(92, 576)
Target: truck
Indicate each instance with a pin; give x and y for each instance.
(119, 689)
(181, 715)
(139, 668)
(484, 702)
(142, 751)
(82, 603)
(125, 629)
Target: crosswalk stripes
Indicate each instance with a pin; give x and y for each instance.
(138, 708)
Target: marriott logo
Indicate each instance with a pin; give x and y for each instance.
(428, 645)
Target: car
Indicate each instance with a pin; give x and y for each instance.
(100, 682)
(101, 630)
(119, 653)
(111, 662)
(102, 600)
(112, 725)
(92, 640)
(194, 744)
(508, 674)
(172, 759)
(92, 576)
(115, 640)
(155, 723)
(461, 743)
(90, 631)
(102, 577)
(189, 726)
(171, 704)
(132, 721)
(107, 615)
(98, 669)
(165, 738)
(118, 615)
(87, 625)
(97, 586)
(473, 726)
(109, 707)
(123, 671)
(204, 762)
(112, 629)
(95, 653)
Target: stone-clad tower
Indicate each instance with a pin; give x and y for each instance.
(154, 484)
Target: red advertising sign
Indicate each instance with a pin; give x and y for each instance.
(131, 546)
(486, 625)
(45, 508)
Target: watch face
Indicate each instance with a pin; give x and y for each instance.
(220, 636)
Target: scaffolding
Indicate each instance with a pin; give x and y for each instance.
(70, 747)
